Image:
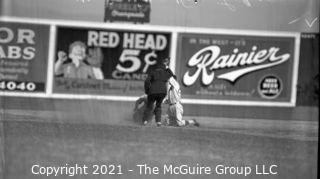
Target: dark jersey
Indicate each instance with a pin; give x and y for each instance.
(156, 83)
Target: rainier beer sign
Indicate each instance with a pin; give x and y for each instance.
(235, 67)
(209, 59)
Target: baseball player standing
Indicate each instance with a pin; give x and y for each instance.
(156, 89)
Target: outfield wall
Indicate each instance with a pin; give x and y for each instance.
(262, 81)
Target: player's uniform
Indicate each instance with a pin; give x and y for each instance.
(156, 88)
(175, 110)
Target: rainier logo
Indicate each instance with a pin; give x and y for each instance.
(209, 60)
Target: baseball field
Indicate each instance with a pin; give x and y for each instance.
(33, 142)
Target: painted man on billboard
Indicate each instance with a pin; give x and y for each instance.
(77, 68)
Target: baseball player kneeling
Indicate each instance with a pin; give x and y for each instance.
(175, 110)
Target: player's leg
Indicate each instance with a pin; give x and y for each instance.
(180, 120)
(179, 115)
(148, 108)
(157, 110)
(171, 116)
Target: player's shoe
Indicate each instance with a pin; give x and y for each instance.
(159, 124)
(196, 123)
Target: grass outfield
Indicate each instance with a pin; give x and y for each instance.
(26, 143)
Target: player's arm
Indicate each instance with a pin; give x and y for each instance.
(147, 83)
(166, 99)
(171, 73)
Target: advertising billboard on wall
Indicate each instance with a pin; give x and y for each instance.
(308, 81)
(106, 61)
(23, 57)
(136, 11)
(243, 68)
